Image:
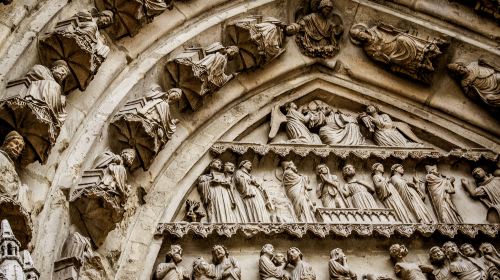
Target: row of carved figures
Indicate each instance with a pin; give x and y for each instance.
(236, 196)
(447, 263)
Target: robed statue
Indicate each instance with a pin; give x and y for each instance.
(171, 268)
(487, 190)
(440, 190)
(297, 189)
(359, 192)
(338, 267)
(268, 270)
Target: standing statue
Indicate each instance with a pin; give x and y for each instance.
(170, 269)
(490, 254)
(402, 52)
(479, 80)
(301, 270)
(328, 188)
(388, 194)
(487, 190)
(411, 195)
(115, 171)
(402, 268)
(440, 189)
(318, 33)
(296, 125)
(202, 270)
(226, 267)
(387, 132)
(252, 193)
(268, 270)
(297, 189)
(358, 191)
(338, 268)
(460, 266)
(439, 268)
(239, 204)
(215, 192)
(10, 151)
(469, 252)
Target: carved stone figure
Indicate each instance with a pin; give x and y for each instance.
(131, 15)
(487, 190)
(479, 80)
(301, 270)
(146, 124)
(388, 194)
(202, 270)
(328, 190)
(411, 195)
(193, 212)
(401, 52)
(338, 267)
(462, 267)
(359, 192)
(469, 252)
(490, 255)
(487, 7)
(440, 268)
(34, 106)
(267, 269)
(260, 40)
(215, 192)
(170, 269)
(402, 268)
(103, 190)
(252, 193)
(440, 189)
(297, 189)
(79, 43)
(296, 128)
(226, 267)
(318, 32)
(239, 204)
(14, 263)
(387, 132)
(10, 151)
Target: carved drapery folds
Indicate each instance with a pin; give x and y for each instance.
(487, 190)
(402, 52)
(146, 124)
(131, 15)
(171, 268)
(79, 43)
(317, 30)
(102, 193)
(200, 71)
(260, 40)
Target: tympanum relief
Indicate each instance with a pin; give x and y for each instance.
(487, 189)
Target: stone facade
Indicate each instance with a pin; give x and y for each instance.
(263, 139)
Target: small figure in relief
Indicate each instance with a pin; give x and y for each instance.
(239, 206)
(439, 268)
(226, 267)
(440, 189)
(268, 270)
(11, 149)
(338, 267)
(202, 270)
(193, 212)
(359, 192)
(402, 268)
(487, 190)
(301, 270)
(170, 269)
(461, 266)
(297, 189)
(328, 188)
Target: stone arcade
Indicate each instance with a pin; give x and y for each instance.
(249, 139)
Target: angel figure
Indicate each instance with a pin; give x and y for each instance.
(387, 132)
(296, 127)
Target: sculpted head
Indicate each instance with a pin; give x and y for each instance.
(458, 69)
(174, 94)
(450, 249)
(174, 254)
(279, 259)
(200, 268)
(467, 250)
(105, 19)
(216, 164)
(398, 252)
(479, 174)
(290, 106)
(348, 171)
(246, 164)
(229, 167)
(128, 156)
(294, 255)
(326, 7)
(267, 249)
(397, 168)
(372, 109)
(219, 252)
(377, 167)
(337, 254)
(232, 51)
(487, 249)
(322, 169)
(13, 145)
(431, 169)
(436, 255)
(60, 70)
(289, 165)
(359, 34)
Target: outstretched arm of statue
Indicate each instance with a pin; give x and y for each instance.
(471, 189)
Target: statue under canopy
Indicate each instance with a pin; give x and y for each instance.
(479, 80)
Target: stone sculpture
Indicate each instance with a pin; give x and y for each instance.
(34, 106)
(439, 269)
(490, 255)
(411, 194)
(198, 72)
(300, 270)
(462, 267)
(193, 212)
(387, 132)
(400, 51)
(388, 194)
(239, 205)
(146, 124)
(359, 192)
(130, 16)
(102, 193)
(402, 268)
(487, 190)
(479, 80)
(170, 269)
(328, 190)
(268, 270)
(297, 189)
(296, 125)
(487, 7)
(252, 193)
(338, 267)
(14, 264)
(80, 44)
(318, 31)
(217, 196)
(226, 267)
(259, 39)
(440, 189)
(202, 270)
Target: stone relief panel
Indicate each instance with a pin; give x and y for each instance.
(401, 51)
(485, 7)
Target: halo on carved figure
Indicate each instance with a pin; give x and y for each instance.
(361, 27)
(128, 16)
(20, 220)
(37, 124)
